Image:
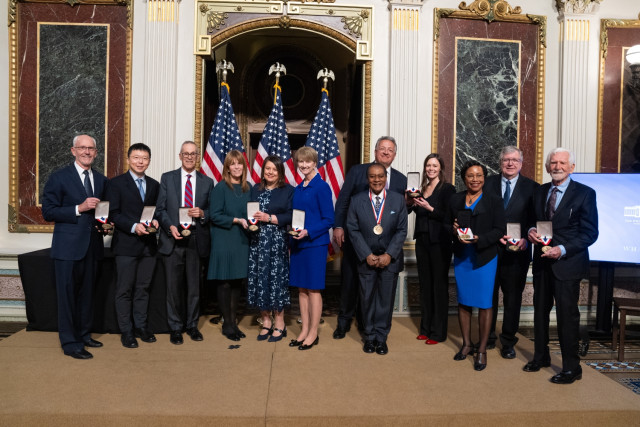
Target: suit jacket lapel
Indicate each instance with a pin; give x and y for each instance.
(566, 197)
(133, 187)
(74, 177)
(177, 183)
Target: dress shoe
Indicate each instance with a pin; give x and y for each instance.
(195, 334)
(339, 333)
(480, 361)
(369, 347)
(176, 337)
(308, 346)
(461, 355)
(508, 353)
(233, 336)
(262, 337)
(491, 345)
(128, 340)
(79, 354)
(534, 366)
(422, 337)
(429, 341)
(382, 348)
(567, 377)
(92, 343)
(295, 343)
(583, 348)
(283, 334)
(144, 335)
(240, 334)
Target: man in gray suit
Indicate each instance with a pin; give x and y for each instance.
(184, 243)
(377, 226)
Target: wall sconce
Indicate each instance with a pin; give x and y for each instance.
(633, 57)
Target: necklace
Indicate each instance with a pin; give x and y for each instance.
(470, 199)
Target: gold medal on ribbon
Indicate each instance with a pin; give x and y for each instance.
(378, 229)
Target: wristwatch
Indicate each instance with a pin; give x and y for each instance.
(269, 219)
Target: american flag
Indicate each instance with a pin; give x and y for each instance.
(322, 138)
(224, 137)
(275, 141)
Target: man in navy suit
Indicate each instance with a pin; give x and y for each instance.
(557, 271)
(356, 182)
(183, 244)
(516, 191)
(134, 247)
(69, 199)
(377, 224)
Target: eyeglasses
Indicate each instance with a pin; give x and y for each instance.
(386, 150)
(511, 160)
(189, 155)
(82, 148)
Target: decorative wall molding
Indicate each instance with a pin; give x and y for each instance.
(578, 7)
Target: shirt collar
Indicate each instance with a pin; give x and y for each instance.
(135, 177)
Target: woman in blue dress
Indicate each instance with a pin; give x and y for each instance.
(268, 285)
(475, 256)
(310, 247)
(229, 240)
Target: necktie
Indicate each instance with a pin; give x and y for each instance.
(386, 185)
(87, 184)
(377, 205)
(507, 194)
(140, 188)
(188, 193)
(551, 203)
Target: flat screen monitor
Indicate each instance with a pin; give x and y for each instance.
(618, 198)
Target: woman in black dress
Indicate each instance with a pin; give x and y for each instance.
(433, 249)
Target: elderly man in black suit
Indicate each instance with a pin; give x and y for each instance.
(356, 182)
(516, 191)
(70, 198)
(377, 226)
(133, 245)
(183, 244)
(557, 271)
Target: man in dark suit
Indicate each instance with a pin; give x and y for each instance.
(516, 191)
(183, 244)
(558, 269)
(377, 226)
(134, 247)
(70, 198)
(356, 182)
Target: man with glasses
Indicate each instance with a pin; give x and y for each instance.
(184, 243)
(69, 199)
(356, 182)
(516, 192)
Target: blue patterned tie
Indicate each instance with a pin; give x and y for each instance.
(507, 194)
(140, 188)
(377, 205)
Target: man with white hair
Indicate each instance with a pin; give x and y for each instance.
(561, 262)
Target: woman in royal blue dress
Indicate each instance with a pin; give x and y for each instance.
(310, 247)
(476, 256)
(268, 284)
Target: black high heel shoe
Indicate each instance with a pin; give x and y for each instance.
(267, 335)
(480, 361)
(307, 347)
(283, 334)
(460, 355)
(295, 343)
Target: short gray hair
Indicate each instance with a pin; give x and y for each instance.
(75, 139)
(572, 157)
(508, 149)
(387, 138)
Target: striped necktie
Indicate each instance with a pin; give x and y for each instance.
(188, 193)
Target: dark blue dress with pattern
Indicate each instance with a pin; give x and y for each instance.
(268, 284)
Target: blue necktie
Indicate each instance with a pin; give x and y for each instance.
(140, 188)
(87, 184)
(377, 205)
(507, 194)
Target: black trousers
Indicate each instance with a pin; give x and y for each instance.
(182, 270)
(511, 277)
(377, 295)
(433, 261)
(546, 288)
(349, 291)
(134, 276)
(74, 287)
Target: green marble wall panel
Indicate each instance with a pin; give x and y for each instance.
(487, 100)
(72, 96)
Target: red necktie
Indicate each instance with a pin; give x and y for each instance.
(188, 193)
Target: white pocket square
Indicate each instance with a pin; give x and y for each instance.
(392, 212)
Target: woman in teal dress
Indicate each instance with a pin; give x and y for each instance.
(476, 256)
(228, 261)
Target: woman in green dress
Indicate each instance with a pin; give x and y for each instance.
(229, 241)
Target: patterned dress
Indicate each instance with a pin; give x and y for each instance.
(268, 286)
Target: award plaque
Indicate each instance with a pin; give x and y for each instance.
(464, 224)
(545, 230)
(102, 215)
(413, 184)
(252, 207)
(147, 217)
(185, 221)
(514, 233)
(297, 222)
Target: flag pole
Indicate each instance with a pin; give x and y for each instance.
(326, 74)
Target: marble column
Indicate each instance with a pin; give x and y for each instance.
(579, 47)
(160, 85)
